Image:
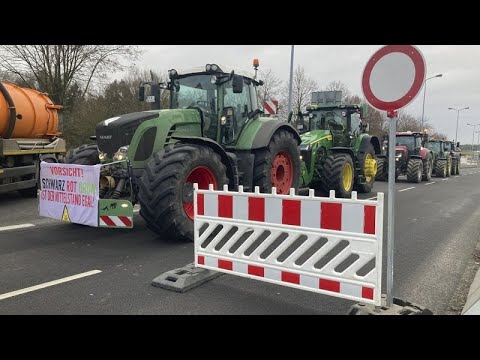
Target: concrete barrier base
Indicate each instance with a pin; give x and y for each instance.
(399, 307)
(184, 278)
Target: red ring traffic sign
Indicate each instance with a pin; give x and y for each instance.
(393, 77)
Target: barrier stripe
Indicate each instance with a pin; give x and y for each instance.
(107, 221)
(314, 282)
(126, 220)
(305, 212)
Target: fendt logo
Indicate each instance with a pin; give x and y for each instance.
(105, 137)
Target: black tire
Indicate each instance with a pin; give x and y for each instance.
(458, 166)
(454, 166)
(163, 187)
(414, 170)
(83, 155)
(382, 170)
(427, 169)
(449, 168)
(282, 141)
(333, 172)
(441, 168)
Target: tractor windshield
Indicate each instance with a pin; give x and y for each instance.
(408, 141)
(448, 146)
(197, 91)
(329, 120)
(434, 146)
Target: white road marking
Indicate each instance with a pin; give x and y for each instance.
(372, 198)
(47, 284)
(430, 183)
(410, 188)
(444, 179)
(14, 227)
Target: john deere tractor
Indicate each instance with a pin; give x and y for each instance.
(337, 152)
(442, 160)
(412, 158)
(212, 133)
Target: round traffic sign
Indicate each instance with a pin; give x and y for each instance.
(393, 77)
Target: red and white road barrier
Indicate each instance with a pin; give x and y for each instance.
(270, 107)
(115, 221)
(326, 245)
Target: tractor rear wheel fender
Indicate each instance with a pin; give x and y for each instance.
(226, 160)
(267, 131)
(344, 150)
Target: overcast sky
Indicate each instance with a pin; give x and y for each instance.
(459, 87)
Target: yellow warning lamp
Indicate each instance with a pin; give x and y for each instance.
(256, 63)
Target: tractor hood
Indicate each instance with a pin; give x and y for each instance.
(401, 148)
(118, 131)
(312, 137)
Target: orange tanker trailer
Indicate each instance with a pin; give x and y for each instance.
(28, 135)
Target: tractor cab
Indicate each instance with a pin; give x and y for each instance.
(410, 143)
(225, 99)
(327, 113)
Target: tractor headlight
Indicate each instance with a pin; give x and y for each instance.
(213, 80)
(301, 157)
(121, 154)
(102, 156)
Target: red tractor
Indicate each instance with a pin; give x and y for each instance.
(412, 158)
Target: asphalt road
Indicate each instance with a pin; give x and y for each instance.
(436, 230)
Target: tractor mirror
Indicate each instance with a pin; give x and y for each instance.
(290, 116)
(365, 127)
(237, 84)
(141, 93)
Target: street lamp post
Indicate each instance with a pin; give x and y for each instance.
(458, 114)
(425, 93)
(473, 133)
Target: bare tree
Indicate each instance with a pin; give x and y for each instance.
(271, 88)
(303, 86)
(56, 68)
(338, 85)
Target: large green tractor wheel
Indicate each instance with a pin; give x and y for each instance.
(166, 187)
(278, 165)
(83, 155)
(363, 158)
(441, 168)
(339, 172)
(414, 170)
(382, 170)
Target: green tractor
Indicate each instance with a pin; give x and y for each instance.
(212, 133)
(442, 160)
(455, 155)
(336, 151)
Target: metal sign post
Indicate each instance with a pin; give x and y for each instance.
(391, 204)
(391, 80)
